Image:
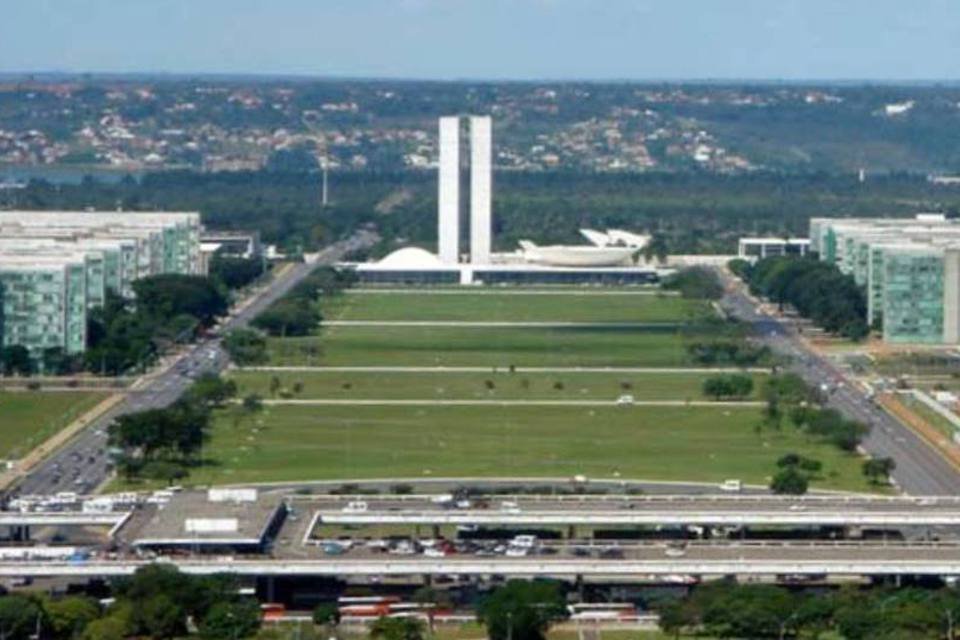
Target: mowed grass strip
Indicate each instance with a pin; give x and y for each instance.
(475, 386)
(291, 443)
(487, 347)
(512, 307)
(28, 418)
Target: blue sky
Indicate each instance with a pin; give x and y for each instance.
(497, 39)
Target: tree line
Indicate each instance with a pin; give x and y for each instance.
(298, 312)
(156, 602)
(164, 444)
(695, 212)
(816, 289)
(726, 609)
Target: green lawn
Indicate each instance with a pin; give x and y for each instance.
(487, 347)
(512, 307)
(429, 385)
(288, 443)
(28, 418)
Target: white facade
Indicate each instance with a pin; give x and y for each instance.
(448, 196)
(766, 247)
(576, 256)
(481, 187)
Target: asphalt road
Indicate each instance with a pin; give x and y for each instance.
(82, 464)
(920, 469)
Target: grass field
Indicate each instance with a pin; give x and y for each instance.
(287, 443)
(290, 443)
(663, 346)
(512, 307)
(487, 347)
(28, 418)
(429, 385)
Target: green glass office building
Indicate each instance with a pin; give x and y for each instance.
(56, 266)
(909, 268)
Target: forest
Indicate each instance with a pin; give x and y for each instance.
(691, 212)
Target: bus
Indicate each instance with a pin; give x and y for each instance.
(602, 611)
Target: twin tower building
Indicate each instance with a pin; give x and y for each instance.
(481, 188)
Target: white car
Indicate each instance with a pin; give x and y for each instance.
(514, 551)
(625, 400)
(509, 507)
(356, 506)
(731, 485)
(524, 542)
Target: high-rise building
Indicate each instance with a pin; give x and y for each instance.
(448, 196)
(481, 187)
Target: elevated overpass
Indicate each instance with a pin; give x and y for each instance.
(643, 562)
(739, 510)
(62, 519)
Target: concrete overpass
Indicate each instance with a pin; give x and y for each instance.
(641, 511)
(648, 562)
(62, 518)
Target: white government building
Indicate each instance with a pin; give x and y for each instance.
(610, 257)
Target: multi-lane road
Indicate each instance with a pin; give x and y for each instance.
(920, 469)
(636, 562)
(685, 510)
(83, 463)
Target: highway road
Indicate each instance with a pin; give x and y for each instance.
(83, 463)
(633, 510)
(635, 562)
(920, 469)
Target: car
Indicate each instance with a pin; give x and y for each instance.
(625, 399)
(524, 541)
(403, 548)
(433, 552)
(514, 551)
(508, 506)
(356, 506)
(333, 549)
(731, 485)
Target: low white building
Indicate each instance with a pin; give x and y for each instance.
(750, 248)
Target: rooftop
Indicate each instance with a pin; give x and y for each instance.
(192, 518)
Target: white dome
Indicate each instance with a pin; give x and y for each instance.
(411, 258)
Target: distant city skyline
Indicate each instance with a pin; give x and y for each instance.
(489, 39)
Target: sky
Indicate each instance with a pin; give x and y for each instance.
(490, 39)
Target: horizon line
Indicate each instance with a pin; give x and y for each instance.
(309, 76)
